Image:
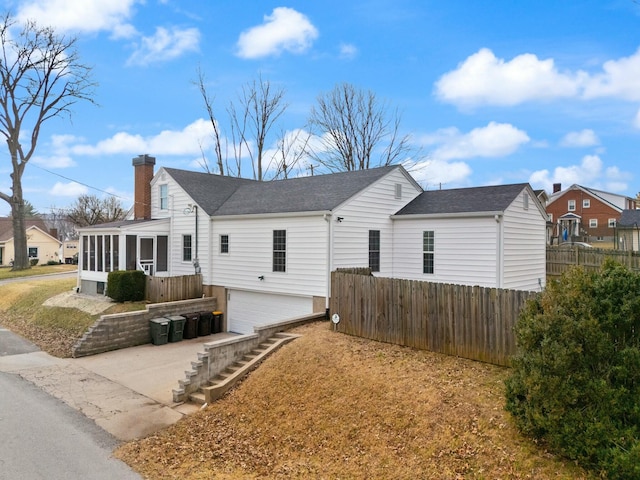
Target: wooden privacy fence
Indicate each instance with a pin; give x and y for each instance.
(172, 289)
(470, 322)
(560, 260)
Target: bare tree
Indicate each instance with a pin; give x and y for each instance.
(91, 210)
(259, 106)
(58, 220)
(217, 137)
(355, 130)
(291, 150)
(41, 78)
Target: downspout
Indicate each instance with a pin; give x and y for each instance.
(499, 251)
(328, 218)
(196, 263)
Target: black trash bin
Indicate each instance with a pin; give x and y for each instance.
(216, 326)
(204, 325)
(191, 325)
(159, 330)
(176, 327)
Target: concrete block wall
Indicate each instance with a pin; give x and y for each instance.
(123, 330)
(219, 355)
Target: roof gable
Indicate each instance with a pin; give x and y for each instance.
(464, 200)
(6, 227)
(219, 195)
(596, 194)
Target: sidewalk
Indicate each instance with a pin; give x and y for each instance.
(127, 392)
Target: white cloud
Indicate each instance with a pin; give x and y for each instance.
(165, 45)
(484, 79)
(168, 142)
(590, 172)
(618, 79)
(348, 51)
(436, 173)
(284, 30)
(80, 15)
(72, 189)
(583, 138)
(494, 140)
(54, 161)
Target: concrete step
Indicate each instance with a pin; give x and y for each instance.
(224, 381)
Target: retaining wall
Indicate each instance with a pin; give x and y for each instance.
(123, 330)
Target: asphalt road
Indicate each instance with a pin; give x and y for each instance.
(53, 276)
(41, 437)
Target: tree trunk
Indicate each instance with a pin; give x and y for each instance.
(20, 253)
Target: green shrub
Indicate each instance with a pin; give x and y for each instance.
(53, 262)
(33, 261)
(126, 285)
(575, 382)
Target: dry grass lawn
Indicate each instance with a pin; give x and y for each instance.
(330, 406)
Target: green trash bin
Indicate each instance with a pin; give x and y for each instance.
(176, 327)
(159, 330)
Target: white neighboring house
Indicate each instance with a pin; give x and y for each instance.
(266, 249)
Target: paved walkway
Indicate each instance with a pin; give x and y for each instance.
(127, 392)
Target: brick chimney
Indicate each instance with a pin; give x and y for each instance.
(143, 173)
(557, 187)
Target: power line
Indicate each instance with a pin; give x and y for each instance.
(80, 183)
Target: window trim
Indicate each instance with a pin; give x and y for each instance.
(279, 251)
(612, 223)
(224, 245)
(374, 250)
(593, 223)
(428, 252)
(163, 201)
(586, 203)
(525, 201)
(29, 252)
(571, 205)
(187, 250)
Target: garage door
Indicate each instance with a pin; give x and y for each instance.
(247, 309)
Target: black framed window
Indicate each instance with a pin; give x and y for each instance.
(279, 250)
(428, 252)
(186, 248)
(224, 243)
(374, 250)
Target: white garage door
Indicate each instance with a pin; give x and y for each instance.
(246, 309)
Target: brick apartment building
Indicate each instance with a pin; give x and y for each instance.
(584, 214)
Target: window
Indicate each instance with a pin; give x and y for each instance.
(224, 243)
(550, 217)
(612, 223)
(186, 248)
(571, 206)
(374, 250)
(525, 201)
(33, 252)
(428, 252)
(586, 203)
(398, 191)
(164, 197)
(279, 250)
(593, 223)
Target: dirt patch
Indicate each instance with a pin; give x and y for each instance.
(87, 303)
(328, 405)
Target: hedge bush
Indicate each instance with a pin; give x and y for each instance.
(126, 285)
(575, 382)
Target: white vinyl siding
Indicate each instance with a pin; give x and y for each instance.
(464, 250)
(370, 210)
(524, 248)
(252, 255)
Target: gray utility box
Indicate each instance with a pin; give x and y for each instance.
(159, 330)
(176, 327)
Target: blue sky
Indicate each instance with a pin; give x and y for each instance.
(490, 92)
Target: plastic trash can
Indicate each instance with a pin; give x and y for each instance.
(216, 326)
(176, 327)
(204, 325)
(191, 325)
(159, 330)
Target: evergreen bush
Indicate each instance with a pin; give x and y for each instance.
(575, 382)
(126, 285)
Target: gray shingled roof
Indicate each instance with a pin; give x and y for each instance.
(464, 200)
(629, 218)
(219, 195)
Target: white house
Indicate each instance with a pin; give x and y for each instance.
(266, 249)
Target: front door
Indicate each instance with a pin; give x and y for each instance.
(147, 257)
